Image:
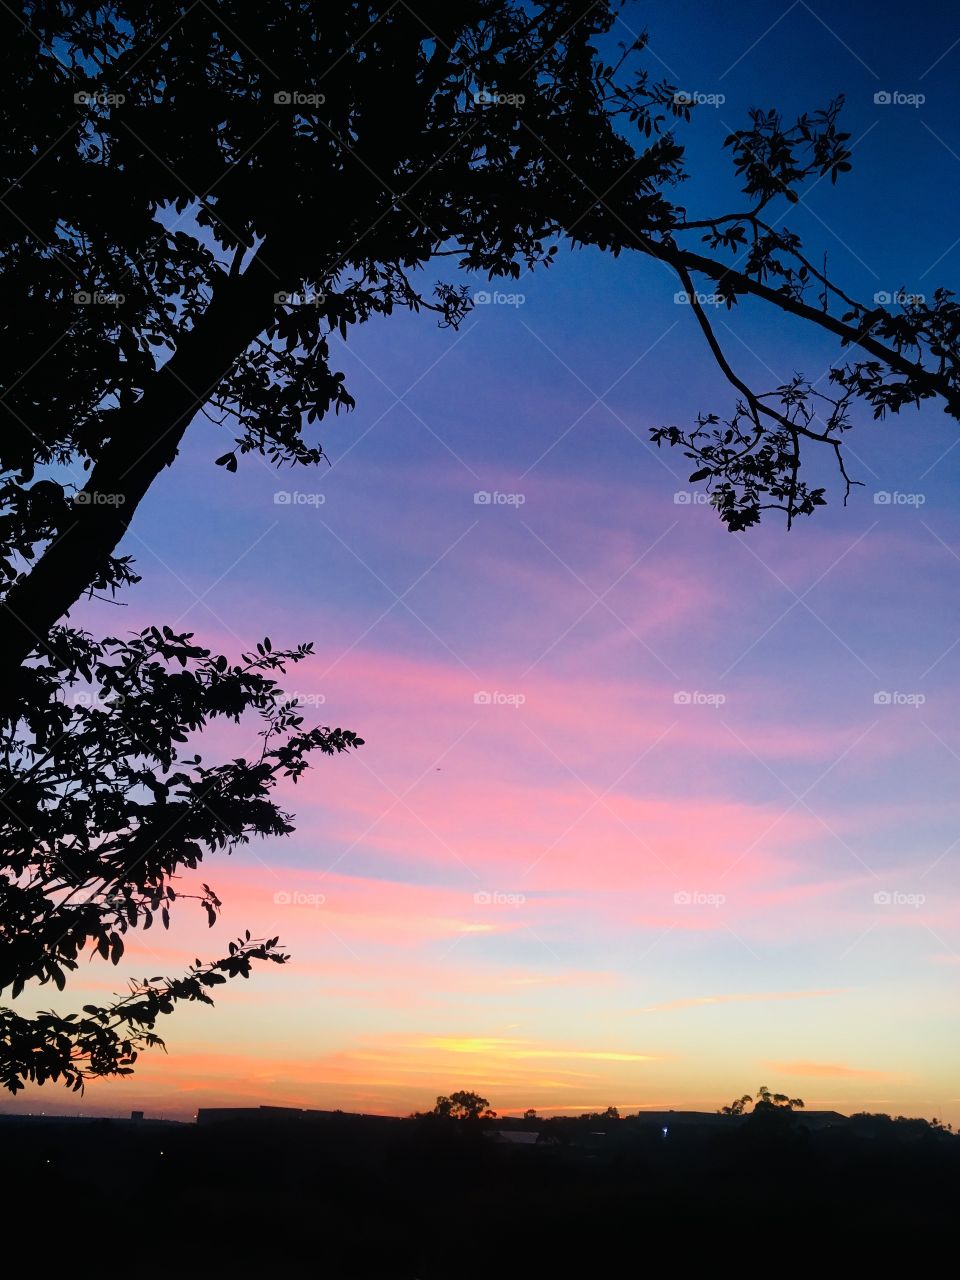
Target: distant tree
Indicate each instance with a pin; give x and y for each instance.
(765, 1101)
(531, 1114)
(737, 1107)
(611, 1113)
(464, 1105)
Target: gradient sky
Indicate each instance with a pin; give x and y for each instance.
(677, 902)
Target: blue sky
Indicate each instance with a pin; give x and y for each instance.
(599, 798)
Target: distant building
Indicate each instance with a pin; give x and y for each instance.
(136, 1115)
(822, 1119)
(514, 1137)
(684, 1119)
(672, 1120)
(286, 1116)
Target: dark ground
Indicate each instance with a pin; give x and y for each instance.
(421, 1200)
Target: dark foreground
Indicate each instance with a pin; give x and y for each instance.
(429, 1200)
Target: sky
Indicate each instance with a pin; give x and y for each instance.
(648, 814)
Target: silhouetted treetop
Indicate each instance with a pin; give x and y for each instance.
(463, 1105)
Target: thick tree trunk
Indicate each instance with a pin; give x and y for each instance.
(144, 440)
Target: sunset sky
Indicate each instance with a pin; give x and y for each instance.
(580, 890)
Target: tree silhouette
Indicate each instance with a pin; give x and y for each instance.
(101, 814)
(611, 1113)
(224, 186)
(463, 1105)
(764, 1103)
(199, 197)
(737, 1107)
(775, 1101)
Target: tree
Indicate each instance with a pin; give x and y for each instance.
(463, 1105)
(531, 1114)
(202, 195)
(737, 1107)
(764, 1103)
(767, 1101)
(222, 187)
(611, 1113)
(199, 197)
(100, 814)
